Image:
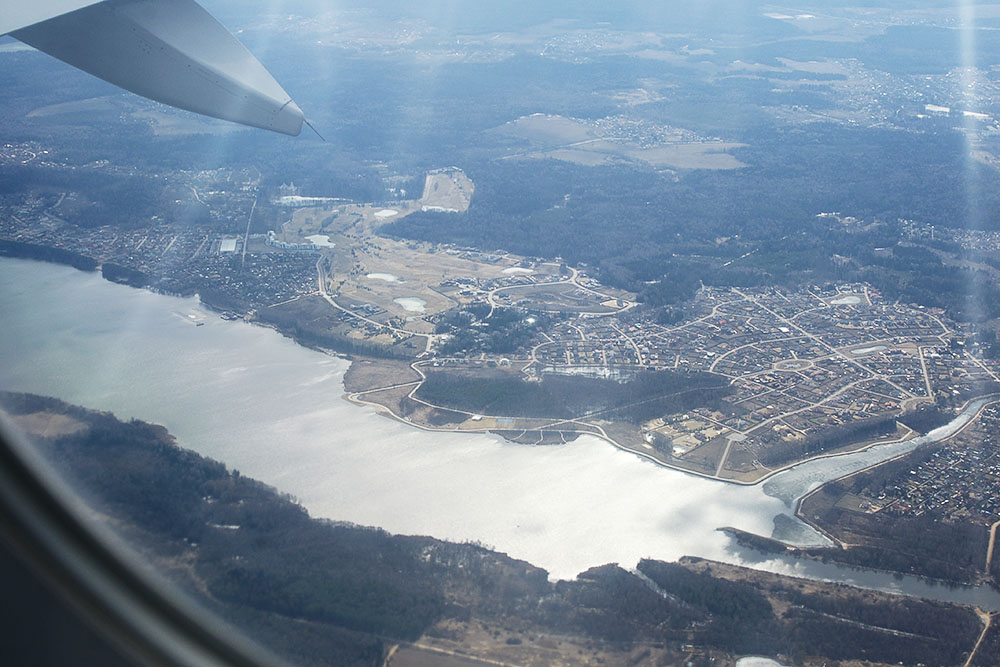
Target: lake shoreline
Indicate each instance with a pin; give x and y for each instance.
(276, 416)
(37, 253)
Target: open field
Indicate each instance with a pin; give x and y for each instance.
(395, 279)
(382, 291)
(608, 141)
(351, 221)
(543, 129)
(453, 643)
(447, 190)
(702, 155)
(402, 279)
(560, 297)
(576, 156)
(319, 324)
(365, 374)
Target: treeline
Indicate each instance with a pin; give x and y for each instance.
(646, 395)
(125, 275)
(612, 604)
(876, 479)
(279, 567)
(128, 200)
(966, 294)
(839, 625)
(969, 391)
(923, 545)
(661, 237)
(756, 542)
(324, 338)
(828, 438)
(903, 614)
(473, 329)
(47, 254)
(323, 593)
(211, 296)
(743, 620)
(926, 419)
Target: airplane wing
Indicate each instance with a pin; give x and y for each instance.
(171, 51)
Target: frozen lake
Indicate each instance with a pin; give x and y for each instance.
(411, 304)
(253, 399)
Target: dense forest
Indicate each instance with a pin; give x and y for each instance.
(306, 333)
(646, 395)
(123, 274)
(473, 328)
(830, 437)
(663, 237)
(925, 419)
(750, 624)
(47, 254)
(990, 648)
(128, 199)
(660, 233)
(840, 627)
(326, 593)
(924, 545)
(921, 546)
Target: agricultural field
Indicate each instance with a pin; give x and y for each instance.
(615, 140)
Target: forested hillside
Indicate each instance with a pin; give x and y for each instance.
(328, 593)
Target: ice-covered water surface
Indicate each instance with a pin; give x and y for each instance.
(411, 304)
(321, 241)
(795, 482)
(262, 404)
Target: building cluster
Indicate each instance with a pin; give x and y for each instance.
(176, 253)
(797, 362)
(958, 482)
(643, 133)
(271, 240)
